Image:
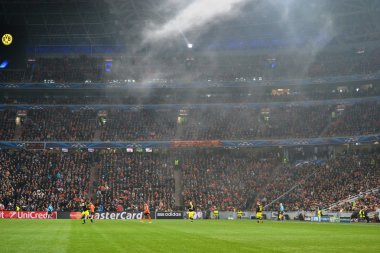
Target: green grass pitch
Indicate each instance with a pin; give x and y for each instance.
(182, 236)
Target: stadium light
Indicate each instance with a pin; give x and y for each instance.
(4, 64)
(189, 45)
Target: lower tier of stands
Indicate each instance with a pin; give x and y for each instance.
(225, 179)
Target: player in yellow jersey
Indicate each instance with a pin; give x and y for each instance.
(191, 210)
(85, 212)
(259, 212)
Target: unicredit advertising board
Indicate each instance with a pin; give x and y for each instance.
(25, 215)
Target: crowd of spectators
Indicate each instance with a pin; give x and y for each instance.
(357, 118)
(139, 125)
(33, 179)
(236, 182)
(209, 123)
(195, 96)
(226, 179)
(255, 123)
(368, 200)
(340, 178)
(59, 124)
(7, 124)
(125, 181)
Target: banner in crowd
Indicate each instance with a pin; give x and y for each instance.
(169, 215)
(208, 143)
(25, 215)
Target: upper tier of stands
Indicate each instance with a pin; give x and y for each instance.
(194, 67)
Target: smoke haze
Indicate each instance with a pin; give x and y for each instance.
(196, 14)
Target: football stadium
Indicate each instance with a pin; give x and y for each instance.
(189, 126)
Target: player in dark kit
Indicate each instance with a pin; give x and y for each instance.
(259, 212)
(191, 210)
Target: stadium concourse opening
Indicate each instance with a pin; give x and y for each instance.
(162, 126)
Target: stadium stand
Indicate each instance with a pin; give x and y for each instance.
(7, 124)
(124, 124)
(65, 124)
(225, 179)
(33, 179)
(59, 124)
(119, 180)
(176, 68)
(130, 180)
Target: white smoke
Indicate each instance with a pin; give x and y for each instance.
(197, 13)
(306, 28)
